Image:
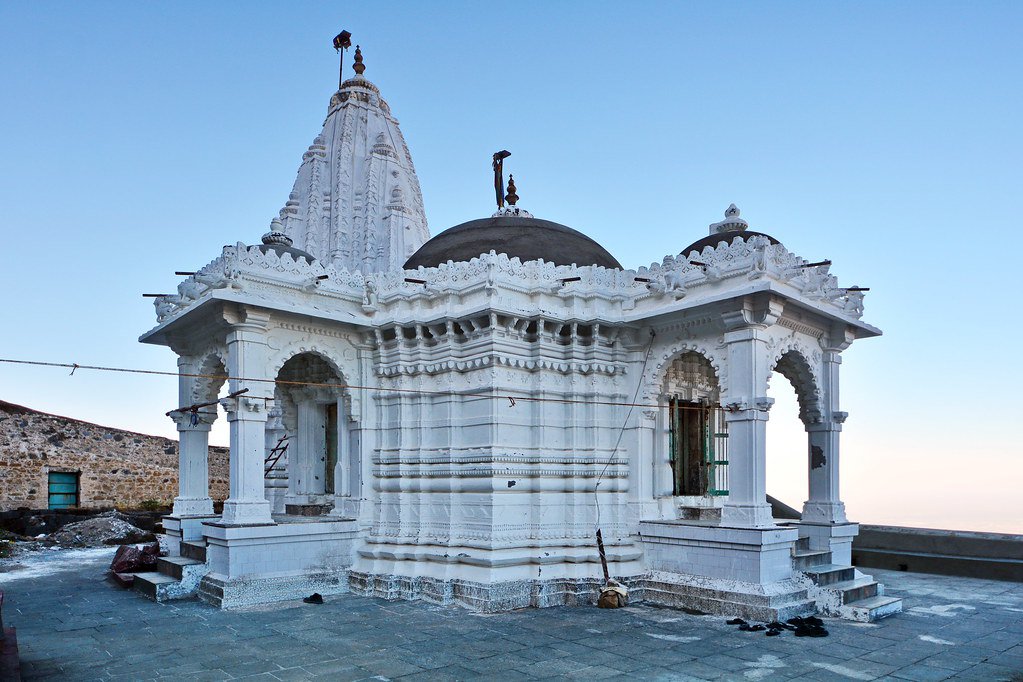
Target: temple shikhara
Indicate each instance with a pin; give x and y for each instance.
(453, 419)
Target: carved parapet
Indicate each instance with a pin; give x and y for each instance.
(754, 257)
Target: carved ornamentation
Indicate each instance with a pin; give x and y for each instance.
(799, 363)
(654, 377)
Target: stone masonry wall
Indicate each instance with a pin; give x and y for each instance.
(118, 468)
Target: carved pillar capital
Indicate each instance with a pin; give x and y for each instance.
(757, 310)
(200, 420)
(838, 338)
(247, 407)
(745, 409)
(243, 317)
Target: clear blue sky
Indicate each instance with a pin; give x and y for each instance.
(138, 138)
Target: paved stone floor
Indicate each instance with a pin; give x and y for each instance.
(74, 625)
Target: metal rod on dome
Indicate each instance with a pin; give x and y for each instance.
(342, 41)
(499, 158)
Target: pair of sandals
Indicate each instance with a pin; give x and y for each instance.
(811, 626)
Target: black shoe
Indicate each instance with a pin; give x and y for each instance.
(314, 598)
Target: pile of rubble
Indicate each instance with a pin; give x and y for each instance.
(108, 528)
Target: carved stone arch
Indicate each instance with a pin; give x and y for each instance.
(793, 363)
(281, 358)
(212, 370)
(662, 358)
(344, 371)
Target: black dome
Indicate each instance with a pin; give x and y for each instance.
(715, 239)
(525, 238)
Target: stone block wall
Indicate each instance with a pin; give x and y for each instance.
(118, 468)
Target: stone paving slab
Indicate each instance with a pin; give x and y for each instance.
(74, 625)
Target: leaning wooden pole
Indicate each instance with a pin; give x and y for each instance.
(603, 557)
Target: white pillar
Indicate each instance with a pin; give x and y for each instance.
(193, 467)
(305, 462)
(747, 412)
(825, 504)
(343, 467)
(246, 360)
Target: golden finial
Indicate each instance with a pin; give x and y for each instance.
(359, 66)
(512, 196)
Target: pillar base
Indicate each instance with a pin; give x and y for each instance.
(178, 529)
(192, 506)
(246, 513)
(817, 511)
(747, 515)
(834, 537)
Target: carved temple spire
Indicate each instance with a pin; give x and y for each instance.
(356, 202)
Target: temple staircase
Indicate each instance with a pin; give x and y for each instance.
(275, 473)
(842, 591)
(176, 577)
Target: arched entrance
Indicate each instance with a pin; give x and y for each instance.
(795, 411)
(697, 434)
(313, 421)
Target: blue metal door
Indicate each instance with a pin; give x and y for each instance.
(63, 490)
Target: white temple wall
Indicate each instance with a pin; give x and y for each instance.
(511, 479)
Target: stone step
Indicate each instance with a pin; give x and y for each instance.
(123, 579)
(828, 574)
(873, 608)
(175, 566)
(850, 591)
(803, 544)
(153, 585)
(803, 559)
(194, 550)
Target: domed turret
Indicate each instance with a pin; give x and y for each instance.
(725, 231)
(515, 232)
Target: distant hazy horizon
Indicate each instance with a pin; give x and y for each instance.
(138, 138)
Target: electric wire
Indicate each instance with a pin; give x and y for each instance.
(621, 432)
(382, 389)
